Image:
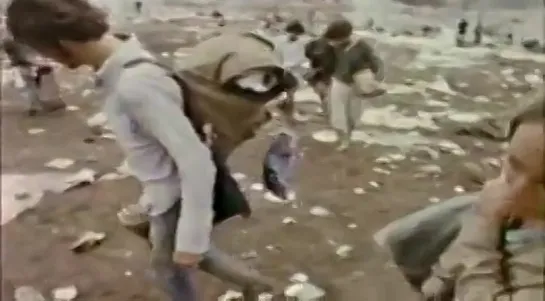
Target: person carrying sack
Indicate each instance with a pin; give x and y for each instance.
(358, 72)
(40, 88)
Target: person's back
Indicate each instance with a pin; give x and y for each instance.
(322, 59)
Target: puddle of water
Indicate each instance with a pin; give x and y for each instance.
(32, 186)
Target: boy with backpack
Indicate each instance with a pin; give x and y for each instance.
(162, 121)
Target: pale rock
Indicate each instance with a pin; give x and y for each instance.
(97, 120)
(88, 240)
(319, 211)
(325, 136)
(381, 171)
(481, 99)
(359, 191)
(459, 189)
(239, 176)
(375, 184)
(249, 255)
(86, 93)
(127, 273)
(352, 226)
(434, 199)
(27, 293)
(299, 278)
(288, 220)
(344, 251)
(533, 79)
(60, 163)
(35, 131)
(257, 187)
(231, 295)
(304, 292)
(383, 160)
(67, 293)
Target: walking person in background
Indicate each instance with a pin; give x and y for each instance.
(143, 105)
(322, 60)
(138, 7)
(35, 87)
(358, 72)
(291, 49)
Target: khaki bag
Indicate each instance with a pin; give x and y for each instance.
(207, 81)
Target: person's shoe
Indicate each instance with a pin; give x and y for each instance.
(344, 145)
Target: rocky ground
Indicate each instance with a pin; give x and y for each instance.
(408, 152)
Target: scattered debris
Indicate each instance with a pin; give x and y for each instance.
(434, 199)
(319, 211)
(28, 293)
(67, 293)
(299, 278)
(459, 189)
(85, 176)
(87, 241)
(231, 295)
(288, 220)
(344, 251)
(239, 176)
(60, 163)
(249, 255)
(257, 187)
(352, 226)
(35, 131)
(359, 190)
(304, 292)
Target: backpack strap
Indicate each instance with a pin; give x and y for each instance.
(195, 122)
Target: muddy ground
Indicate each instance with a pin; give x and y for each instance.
(36, 245)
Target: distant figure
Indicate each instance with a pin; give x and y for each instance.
(292, 52)
(32, 75)
(322, 66)
(358, 73)
(461, 33)
(478, 33)
(138, 7)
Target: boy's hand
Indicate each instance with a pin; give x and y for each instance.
(185, 259)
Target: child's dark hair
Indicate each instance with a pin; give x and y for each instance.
(295, 27)
(42, 24)
(338, 30)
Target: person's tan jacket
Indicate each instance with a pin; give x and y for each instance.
(472, 266)
(212, 65)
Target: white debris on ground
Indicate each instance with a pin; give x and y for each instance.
(67, 293)
(410, 119)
